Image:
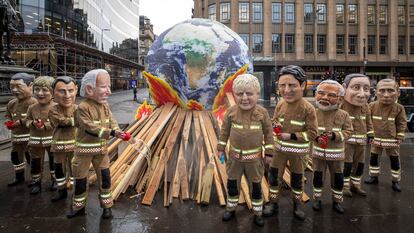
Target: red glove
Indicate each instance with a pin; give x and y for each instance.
(125, 136)
(323, 141)
(39, 124)
(9, 124)
(277, 129)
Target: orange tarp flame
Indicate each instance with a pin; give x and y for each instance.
(144, 110)
(219, 105)
(194, 105)
(161, 92)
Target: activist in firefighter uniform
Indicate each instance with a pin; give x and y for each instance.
(357, 92)
(245, 127)
(296, 120)
(95, 125)
(21, 87)
(40, 132)
(334, 128)
(63, 142)
(390, 123)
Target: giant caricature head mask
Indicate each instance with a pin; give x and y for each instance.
(387, 91)
(42, 89)
(291, 83)
(246, 88)
(357, 87)
(96, 85)
(64, 91)
(21, 85)
(328, 95)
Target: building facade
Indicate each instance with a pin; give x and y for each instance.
(55, 38)
(328, 38)
(146, 37)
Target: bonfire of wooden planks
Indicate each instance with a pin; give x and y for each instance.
(176, 155)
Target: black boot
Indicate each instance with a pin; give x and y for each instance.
(36, 188)
(60, 195)
(258, 220)
(270, 209)
(19, 180)
(372, 180)
(107, 213)
(228, 215)
(298, 212)
(53, 186)
(31, 183)
(396, 186)
(338, 208)
(73, 213)
(317, 205)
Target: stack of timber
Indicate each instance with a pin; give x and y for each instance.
(175, 154)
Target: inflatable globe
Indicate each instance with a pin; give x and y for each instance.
(194, 58)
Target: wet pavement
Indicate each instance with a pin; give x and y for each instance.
(383, 210)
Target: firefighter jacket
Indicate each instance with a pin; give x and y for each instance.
(298, 119)
(63, 122)
(245, 131)
(17, 111)
(39, 137)
(390, 124)
(339, 123)
(95, 124)
(361, 122)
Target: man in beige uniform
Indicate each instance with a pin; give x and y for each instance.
(63, 144)
(334, 126)
(21, 87)
(40, 132)
(357, 92)
(245, 127)
(390, 123)
(95, 126)
(297, 119)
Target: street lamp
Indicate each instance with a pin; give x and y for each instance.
(102, 30)
(364, 55)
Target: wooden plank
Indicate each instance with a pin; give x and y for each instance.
(265, 190)
(139, 159)
(245, 191)
(158, 172)
(182, 170)
(207, 182)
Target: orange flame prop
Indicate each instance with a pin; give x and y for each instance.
(161, 91)
(219, 106)
(144, 110)
(194, 105)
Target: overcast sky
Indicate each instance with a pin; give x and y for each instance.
(165, 13)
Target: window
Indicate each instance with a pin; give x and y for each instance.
(321, 9)
(308, 12)
(257, 12)
(340, 15)
(352, 14)
(383, 45)
(289, 43)
(382, 17)
(340, 44)
(276, 46)
(352, 44)
(309, 43)
(245, 38)
(243, 12)
(371, 15)
(224, 12)
(401, 44)
(276, 12)
(212, 12)
(289, 12)
(371, 44)
(257, 43)
(411, 14)
(401, 15)
(321, 44)
(411, 44)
